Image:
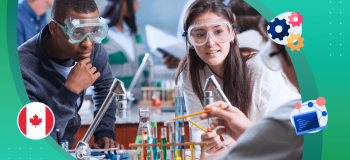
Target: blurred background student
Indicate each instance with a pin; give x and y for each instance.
(31, 18)
(123, 43)
(248, 19)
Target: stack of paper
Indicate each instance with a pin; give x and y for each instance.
(161, 43)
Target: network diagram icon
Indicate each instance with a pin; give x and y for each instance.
(310, 117)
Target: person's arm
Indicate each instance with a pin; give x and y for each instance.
(101, 89)
(64, 102)
(268, 139)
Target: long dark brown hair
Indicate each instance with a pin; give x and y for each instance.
(236, 80)
(247, 17)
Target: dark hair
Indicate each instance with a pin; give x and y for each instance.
(113, 9)
(60, 8)
(236, 81)
(247, 17)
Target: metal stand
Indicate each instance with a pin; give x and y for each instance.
(83, 149)
(147, 59)
(211, 85)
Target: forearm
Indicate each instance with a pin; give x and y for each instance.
(64, 108)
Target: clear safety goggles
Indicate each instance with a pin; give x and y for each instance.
(77, 29)
(219, 30)
(268, 56)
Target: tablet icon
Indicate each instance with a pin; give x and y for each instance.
(310, 117)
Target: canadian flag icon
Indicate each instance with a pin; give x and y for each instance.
(35, 120)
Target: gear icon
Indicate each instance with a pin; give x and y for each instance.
(292, 38)
(283, 33)
(295, 15)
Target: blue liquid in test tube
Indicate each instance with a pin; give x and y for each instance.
(179, 98)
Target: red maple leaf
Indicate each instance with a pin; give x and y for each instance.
(35, 120)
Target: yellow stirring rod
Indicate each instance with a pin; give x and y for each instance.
(197, 113)
(197, 125)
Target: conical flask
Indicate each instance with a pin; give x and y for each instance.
(145, 126)
(143, 129)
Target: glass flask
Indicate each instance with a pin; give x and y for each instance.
(144, 130)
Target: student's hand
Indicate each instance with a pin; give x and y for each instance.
(212, 139)
(170, 61)
(234, 120)
(82, 76)
(106, 142)
(217, 154)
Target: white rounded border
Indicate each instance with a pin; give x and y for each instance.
(292, 30)
(31, 103)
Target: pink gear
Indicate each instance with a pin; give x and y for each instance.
(295, 23)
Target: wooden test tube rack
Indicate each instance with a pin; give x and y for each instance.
(161, 93)
(202, 144)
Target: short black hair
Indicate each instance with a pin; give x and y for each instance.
(60, 8)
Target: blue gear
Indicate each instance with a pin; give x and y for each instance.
(283, 24)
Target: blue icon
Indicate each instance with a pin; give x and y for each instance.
(310, 117)
(307, 122)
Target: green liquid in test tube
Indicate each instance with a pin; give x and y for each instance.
(163, 136)
(154, 133)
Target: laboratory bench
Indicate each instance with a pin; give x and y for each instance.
(126, 129)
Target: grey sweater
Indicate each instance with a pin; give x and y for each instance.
(44, 84)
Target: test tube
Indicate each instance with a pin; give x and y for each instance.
(182, 135)
(178, 112)
(154, 130)
(163, 136)
(171, 127)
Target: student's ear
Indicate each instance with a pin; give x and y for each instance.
(233, 35)
(189, 43)
(234, 17)
(53, 28)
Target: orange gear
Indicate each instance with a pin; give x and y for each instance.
(292, 38)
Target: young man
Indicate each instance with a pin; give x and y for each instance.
(31, 18)
(62, 61)
(273, 137)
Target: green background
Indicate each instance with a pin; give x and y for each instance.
(321, 67)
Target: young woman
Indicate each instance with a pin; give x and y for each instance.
(213, 50)
(123, 43)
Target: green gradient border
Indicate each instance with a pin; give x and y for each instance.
(12, 83)
(12, 6)
(307, 84)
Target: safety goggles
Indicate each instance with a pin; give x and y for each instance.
(268, 56)
(219, 30)
(77, 29)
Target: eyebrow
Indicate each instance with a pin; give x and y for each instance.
(198, 30)
(217, 26)
(203, 29)
(79, 29)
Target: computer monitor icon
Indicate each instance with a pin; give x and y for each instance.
(307, 122)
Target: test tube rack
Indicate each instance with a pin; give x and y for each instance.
(202, 144)
(165, 95)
